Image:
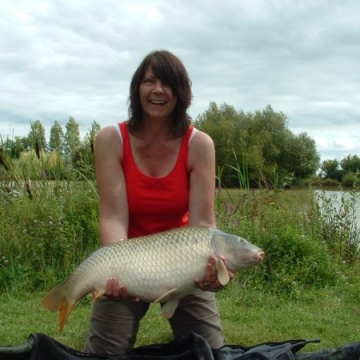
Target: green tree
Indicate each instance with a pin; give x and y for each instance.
(72, 139)
(56, 142)
(330, 169)
(222, 124)
(37, 137)
(299, 155)
(90, 136)
(13, 148)
(84, 159)
(351, 163)
(261, 141)
(266, 133)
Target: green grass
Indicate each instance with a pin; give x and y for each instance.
(249, 316)
(308, 286)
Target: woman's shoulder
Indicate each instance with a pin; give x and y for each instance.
(201, 150)
(201, 139)
(110, 132)
(109, 138)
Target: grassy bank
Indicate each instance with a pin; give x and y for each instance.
(308, 286)
(249, 316)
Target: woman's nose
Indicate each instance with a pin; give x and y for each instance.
(158, 87)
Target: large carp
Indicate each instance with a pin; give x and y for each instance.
(156, 268)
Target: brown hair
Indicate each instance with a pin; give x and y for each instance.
(171, 71)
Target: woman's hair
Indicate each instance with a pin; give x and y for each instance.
(171, 71)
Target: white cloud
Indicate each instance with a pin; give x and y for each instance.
(76, 58)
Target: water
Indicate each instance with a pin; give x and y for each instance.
(340, 200)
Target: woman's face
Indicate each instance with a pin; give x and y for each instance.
(157, 99)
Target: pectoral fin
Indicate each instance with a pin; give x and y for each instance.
(99, 294)
(169, 295)
(222, 272)
(169, 308)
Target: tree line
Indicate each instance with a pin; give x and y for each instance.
(252, 150)
(64, 156)
(260, 148)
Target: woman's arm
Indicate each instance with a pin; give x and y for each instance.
(111, 184)
(201, 165)
(114, 213)
(202, 198)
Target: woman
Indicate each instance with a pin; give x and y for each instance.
(155, 172)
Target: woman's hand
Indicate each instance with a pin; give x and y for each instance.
(114, 291)
(210, 281)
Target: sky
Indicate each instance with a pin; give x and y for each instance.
(63, 58)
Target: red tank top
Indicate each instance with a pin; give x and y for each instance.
(156, 204)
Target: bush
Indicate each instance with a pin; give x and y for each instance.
(330, 182)
(349, 179)
(44, 238)
(290, 232)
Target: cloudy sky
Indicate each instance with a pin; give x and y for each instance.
(63, 58)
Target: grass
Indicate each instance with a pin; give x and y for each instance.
(249, 316)
(308, 287)
(257, 317)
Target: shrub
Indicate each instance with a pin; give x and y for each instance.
(349, 179)
(44, 238)
(288, 230)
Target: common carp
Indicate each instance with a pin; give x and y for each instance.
(159, 268)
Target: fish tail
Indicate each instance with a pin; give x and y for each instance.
(57, 300)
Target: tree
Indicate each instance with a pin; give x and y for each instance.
(330, 170)
(266, 132)
(56, 142)
(72, 139)
(84, 160)
(299, 155)
(95, 128)
(37, 137)
(259, 141)
(351, 163)
(13, 148)
(222, 124)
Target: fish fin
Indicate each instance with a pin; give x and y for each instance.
(64, 312)
(99, 294)
(53, 299)
(56, 300)
(169, 308)
(222, 272)
(169, 295)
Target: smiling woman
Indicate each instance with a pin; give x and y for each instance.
(157, 98)
(155, 172)
(163, 72)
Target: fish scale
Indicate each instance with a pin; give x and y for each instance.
(160, 267)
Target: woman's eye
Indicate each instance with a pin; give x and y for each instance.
(148, 81)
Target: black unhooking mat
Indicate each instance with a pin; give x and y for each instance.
(193, 347)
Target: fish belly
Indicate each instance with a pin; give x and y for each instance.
(148, 267)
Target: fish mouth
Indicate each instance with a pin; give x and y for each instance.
(259, 256)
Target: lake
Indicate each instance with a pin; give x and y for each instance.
(341, 201)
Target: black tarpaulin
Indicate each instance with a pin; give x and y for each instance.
(193, 347)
